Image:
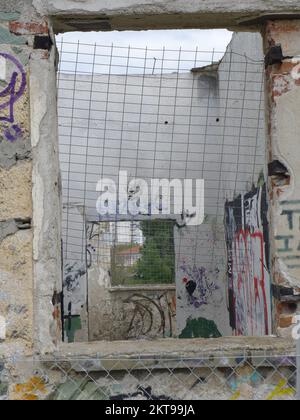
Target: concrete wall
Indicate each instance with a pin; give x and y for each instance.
(216, 132)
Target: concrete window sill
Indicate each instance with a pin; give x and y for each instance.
(148, 288)
(169, 351)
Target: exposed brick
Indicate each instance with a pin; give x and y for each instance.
(29, 28)
(284, 68)
(286, 321)
(281, 85)
(286, 308)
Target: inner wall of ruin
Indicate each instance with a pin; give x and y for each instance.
(216, 133)
(30, 235)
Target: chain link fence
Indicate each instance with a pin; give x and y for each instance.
(262, 377)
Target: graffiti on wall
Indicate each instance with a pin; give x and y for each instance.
(10, 93)
(72, 324)
(200, 328)
(152, 316)
(198, 285)
(288, 241)
(249, 288)
(200, 296)
(33, 390)
(74, 293)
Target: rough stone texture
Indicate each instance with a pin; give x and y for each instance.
(7, 228)
(17, 9)
(15, 192)
(16, 286)
(16, 296)
(10, 153)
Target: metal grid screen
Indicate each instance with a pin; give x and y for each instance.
(159, 114)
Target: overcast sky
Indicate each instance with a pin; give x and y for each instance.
(188, 40)
(171, 39)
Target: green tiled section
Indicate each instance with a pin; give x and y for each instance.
(6, 37)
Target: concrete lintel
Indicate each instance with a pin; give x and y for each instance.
(98, 15)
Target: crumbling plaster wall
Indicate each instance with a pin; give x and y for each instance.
(29, 180)
(283, 94)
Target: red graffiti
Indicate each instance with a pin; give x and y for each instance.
(248, 284)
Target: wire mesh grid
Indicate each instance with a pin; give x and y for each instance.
(264, 377)
(154, 114)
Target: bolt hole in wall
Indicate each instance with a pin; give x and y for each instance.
(172, 105)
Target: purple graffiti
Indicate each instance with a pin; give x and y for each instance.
(198, 286)
(11, 94)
